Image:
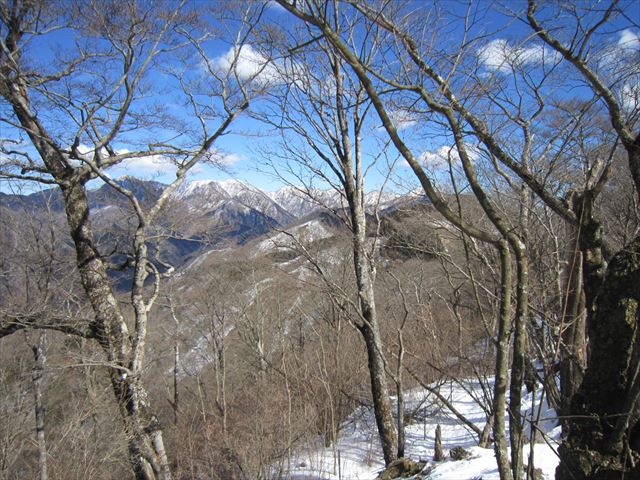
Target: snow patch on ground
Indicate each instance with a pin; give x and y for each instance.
(357, 454)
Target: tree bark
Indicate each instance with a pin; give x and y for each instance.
(573, 337)
(485, 436)
(371, 334)
(400, 410)
(145, 444)
(364, 272)
(38, 371)
(502, 364)
(516, 422)
(438, 455)
(380, 394)
(602, 440)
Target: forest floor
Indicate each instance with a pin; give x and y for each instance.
(357, 454)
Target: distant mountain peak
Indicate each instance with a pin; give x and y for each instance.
(284, 205)
(193, 187)
(232, 183)
(230, 188)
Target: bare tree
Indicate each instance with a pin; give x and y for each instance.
(37, 378)
(496, 113)
(316, 15)
(323, 125)
(609, 391)
(96, 95)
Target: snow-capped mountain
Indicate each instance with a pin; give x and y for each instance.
(209, 196)
(204, 214)
(202, 193)
(301, 202)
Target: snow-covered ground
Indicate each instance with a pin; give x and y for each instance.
(357, 454)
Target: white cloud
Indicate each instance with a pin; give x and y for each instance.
(402, 118)
(629, 41)
(148, 164)
(615, 55)
(249, 64)
(163, 165)
(495, 54)
(537, 54)
(499, 55)
(252, 66)
(442, 156)
(630, 96)
(157, 164)
(225, 159)
(86, 152)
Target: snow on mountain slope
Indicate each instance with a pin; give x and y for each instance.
(237, 187)
(293, 200)
(284, 205)
(380, 199)
(202, 195)
(300, 202)
(357, 454)
(207, 195)
(305, 233)
(194, 187)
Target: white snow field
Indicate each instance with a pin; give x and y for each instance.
(357, 454)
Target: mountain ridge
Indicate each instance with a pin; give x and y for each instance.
(202, 214)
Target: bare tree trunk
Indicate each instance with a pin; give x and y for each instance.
(400, 413)
(176, 393)
(485, 437)
(175, 404)
(371, 332)
(438, 455)
(146, 447)
(573, 346)
(38, 371)
(605, 442)
(516, 422)
(502, 365)
(380, 395)
(400, 395)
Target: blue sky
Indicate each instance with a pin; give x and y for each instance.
(239, 149)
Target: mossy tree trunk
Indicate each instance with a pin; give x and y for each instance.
(603, 436)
